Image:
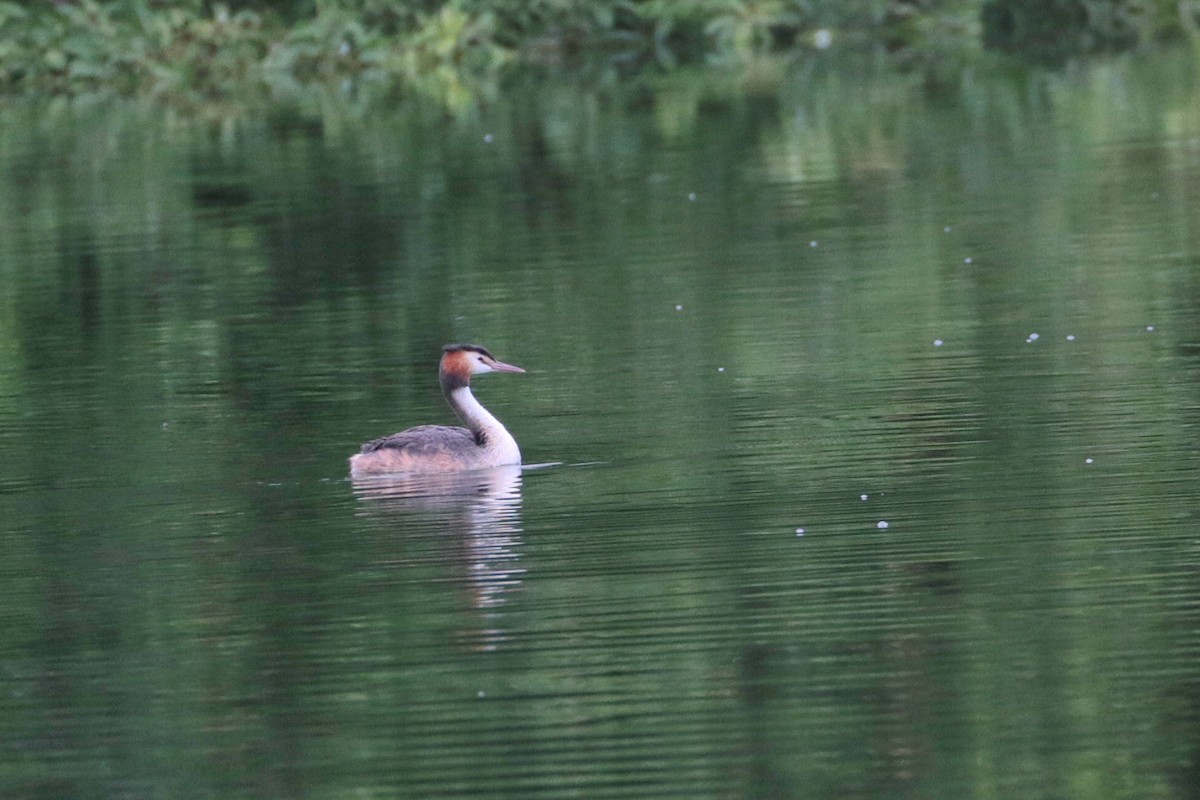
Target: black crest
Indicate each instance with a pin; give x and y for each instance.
(474, 348)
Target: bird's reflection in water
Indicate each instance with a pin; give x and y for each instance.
(481, 512)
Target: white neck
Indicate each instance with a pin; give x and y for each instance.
(479, 419)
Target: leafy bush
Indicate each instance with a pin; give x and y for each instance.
(189, 49)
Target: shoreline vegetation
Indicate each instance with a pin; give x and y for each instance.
(196, 52)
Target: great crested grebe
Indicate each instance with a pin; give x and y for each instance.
(438, 448)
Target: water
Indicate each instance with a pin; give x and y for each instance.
(817, 514)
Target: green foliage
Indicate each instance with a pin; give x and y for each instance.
(1053, 30)
(201, 51)
(187, 53)
(125, 46)
(743, 28)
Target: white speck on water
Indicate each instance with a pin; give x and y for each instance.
(822, 38)
(799, 531)
(692, 196)
(882, 524)
(1070, 337)
(344, 49)
(946, 229)
(481, 694)
(1033, 337)
(1150, 328)
(487, 138)
(968, 260)
(720, 369)
(1088, 460)
(679, 308)
(862, 497)
(813, 243)
(938, 342)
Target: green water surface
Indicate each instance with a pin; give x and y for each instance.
(869, 403)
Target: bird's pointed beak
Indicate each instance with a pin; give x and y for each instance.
(500, 366)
